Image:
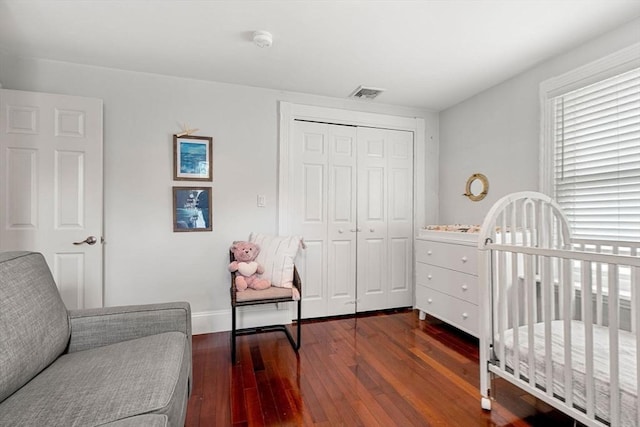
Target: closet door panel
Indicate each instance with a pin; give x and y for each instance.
(310, 183)
(385, 216)
(341, 227)
(400, 221)
(373, 255)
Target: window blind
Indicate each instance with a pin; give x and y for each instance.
(597, 158)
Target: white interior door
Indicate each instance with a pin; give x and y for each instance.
(353, 203)
(325, 214)
(51, 187)
(385, 219)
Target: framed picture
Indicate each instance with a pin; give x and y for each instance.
(192, 209)
(192, 158)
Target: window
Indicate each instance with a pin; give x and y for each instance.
(591, 147)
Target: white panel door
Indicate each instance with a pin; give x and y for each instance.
(325, 214)
(51, 187)
(341, 220)
(385, 219)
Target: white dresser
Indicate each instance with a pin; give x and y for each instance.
(447, 278)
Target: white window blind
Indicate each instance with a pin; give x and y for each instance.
(597, 158)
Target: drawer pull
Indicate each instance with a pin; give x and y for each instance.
(430, 300)
(465, 315)
(340, 230)
(429, 277)
(464, 287)
(429, 252)
(464, 259)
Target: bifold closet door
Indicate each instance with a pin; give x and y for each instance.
(385, 219)
(353, 203)
(324, 179)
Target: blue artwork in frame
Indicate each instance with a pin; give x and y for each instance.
(192, 158)
(192, 209)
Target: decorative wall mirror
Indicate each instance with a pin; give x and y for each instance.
(477, 187)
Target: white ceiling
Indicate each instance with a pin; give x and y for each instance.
(427, 54)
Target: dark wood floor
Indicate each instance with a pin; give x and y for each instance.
(387, 369)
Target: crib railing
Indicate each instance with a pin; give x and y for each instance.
(628, 277)
(533, 285)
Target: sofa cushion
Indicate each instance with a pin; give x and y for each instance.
(106, 384)
(33, 319)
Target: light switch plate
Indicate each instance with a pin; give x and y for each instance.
(262, 201)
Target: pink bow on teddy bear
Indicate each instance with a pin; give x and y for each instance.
(246, 267)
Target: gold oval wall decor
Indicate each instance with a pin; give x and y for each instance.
(472, 191)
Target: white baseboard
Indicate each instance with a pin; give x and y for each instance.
(206, 322)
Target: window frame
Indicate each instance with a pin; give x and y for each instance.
(609, 66)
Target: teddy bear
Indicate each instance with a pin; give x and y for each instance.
(246, 267)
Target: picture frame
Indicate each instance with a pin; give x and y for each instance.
(192, 159)
(192, 209)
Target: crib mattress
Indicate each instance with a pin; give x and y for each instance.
(627, 365)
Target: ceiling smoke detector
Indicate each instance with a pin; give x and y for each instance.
(262, 39)
(366, 92)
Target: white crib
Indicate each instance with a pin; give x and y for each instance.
(559, 316)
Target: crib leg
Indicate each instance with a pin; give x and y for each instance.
(485, 402)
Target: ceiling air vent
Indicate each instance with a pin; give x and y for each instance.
(366, 92)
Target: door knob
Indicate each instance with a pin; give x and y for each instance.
(340, 230)
(91, 240)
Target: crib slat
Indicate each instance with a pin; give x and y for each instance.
(635, 304)
(568, 291)
(587, 319)
(502, 311)
(599, 301)
(614, 349)
(529, 284)
(547, 286)
(515, 304)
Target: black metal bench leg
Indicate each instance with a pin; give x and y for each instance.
(233, 334)
(297, 346)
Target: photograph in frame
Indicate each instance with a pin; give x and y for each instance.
(192, 158)
(192, 209)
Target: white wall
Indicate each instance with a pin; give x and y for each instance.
(145, 261)
(497, 131)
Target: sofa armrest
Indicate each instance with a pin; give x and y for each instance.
(98, 327)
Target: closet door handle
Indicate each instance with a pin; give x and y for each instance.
(429, 252)
(429, 277)
(340, 230)
(464, 259)
(464, 287)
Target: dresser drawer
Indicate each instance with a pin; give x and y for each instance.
(459, 313)
(452, 256)
(460, 285)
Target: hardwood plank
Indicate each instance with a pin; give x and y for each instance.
(384, 369)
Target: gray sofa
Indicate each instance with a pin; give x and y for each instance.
(120, 366)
